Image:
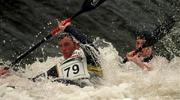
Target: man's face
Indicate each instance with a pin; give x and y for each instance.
(140, 42)
(67, 47)
(145, 51)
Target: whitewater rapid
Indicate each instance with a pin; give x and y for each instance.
(121, 81)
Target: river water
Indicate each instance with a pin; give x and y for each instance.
(121, 82)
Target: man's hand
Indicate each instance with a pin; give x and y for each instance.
(63, 24)
(3, 71)
(132, 56)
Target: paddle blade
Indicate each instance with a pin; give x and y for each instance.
(91, 4)
(88, 5)
(160, 32)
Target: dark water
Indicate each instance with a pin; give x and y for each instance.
(25, 22)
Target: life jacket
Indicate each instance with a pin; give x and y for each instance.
(92, 62)
(147, 59)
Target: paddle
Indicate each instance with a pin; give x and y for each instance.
(156, 35)
(88, 5)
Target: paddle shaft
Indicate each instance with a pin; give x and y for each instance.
(55, 30)
(87, 6)
(31, 49)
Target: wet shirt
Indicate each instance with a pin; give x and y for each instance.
(148, 59)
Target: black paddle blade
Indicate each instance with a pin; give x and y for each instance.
(160, 32)
(88, 5)
(91, 4)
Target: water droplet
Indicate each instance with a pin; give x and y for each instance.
(4, 41)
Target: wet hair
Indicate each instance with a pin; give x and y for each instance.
(144, 35)
(63, 35)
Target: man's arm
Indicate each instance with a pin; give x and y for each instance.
(82, 38)
(142, 65)
(137, 61)
(79, 36)
(3, 71)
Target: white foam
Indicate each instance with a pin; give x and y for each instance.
(121, 82)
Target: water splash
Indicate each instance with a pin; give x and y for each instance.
(121, 81)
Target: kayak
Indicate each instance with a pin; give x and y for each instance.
(52, 73)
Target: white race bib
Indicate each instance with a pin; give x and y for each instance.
(73, 68)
